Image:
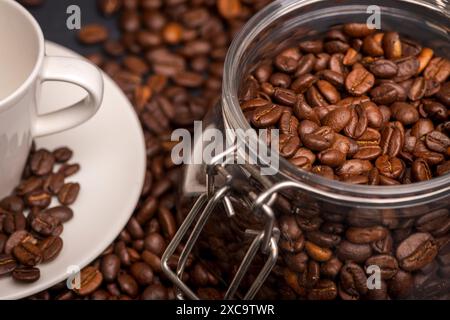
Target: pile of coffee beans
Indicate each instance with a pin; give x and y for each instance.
(30, 227)
(169, 62)
(357, 105)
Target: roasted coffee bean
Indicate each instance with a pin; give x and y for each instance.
(42, 162)
(12, 204)
(27, 254)
(401, 285)
(155, 243)
(383, 246)
(332, 158)
(318, 253)
(155, 292)
(357, 30)
(26, 274)
(416, 251)
(366, 235)
(61, 213)
(62, 154)
(405, 113)
(438, 69)
(392, 45)
(7, 264)
(390, 167)
(359, 81)
(40, 199)
(337, 119)
(68, 193)
(305, 65)
(50, 248)
(407, 68)
(392, 138)
(90, 279)
(284, 96)
(320, 139)
(44, 224)
(69, 169)
(142, 273)
(353, 282)
(357, 125)
(355, 252)
(437, 141)
(323, 290)
(383, 68)
(331, 268)
(420, 171)
(354, 167)
(92, 33)
(266, 115)
(387, 264)
(127, 284)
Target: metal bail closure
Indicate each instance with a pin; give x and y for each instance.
(265, 240)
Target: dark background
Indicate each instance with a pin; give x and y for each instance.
(52, 18)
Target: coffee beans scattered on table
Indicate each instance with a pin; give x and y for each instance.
(358, 105)
(30, 227)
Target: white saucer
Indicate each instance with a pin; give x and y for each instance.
(111, 151)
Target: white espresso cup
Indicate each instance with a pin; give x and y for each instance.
(23, 68)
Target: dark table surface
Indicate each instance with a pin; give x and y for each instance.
(52, 18)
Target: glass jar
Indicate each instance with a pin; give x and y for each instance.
(259, 234)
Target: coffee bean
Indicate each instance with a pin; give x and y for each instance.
(392, 45)
(142, 273)
(44, 224)
(60, 213)
(127, 284)
(68, 193)
(438, 69)
(437, 141)
(357, 30)
(155, 292)
(27, 254)
(318, 253)
(92, 33)
(420, 171)
(69, 169)
(90, 279)
(392, 138)
(416, 251)
(26, 274)
(355, 252)
(50, 248)
(383, 68)
(320, 139)
(353, 282)
(40, 199)
(405, 113)
(7, 264)
(62, 154)
(331, 268)
(359, 81)
(42, 162)
(266, 116)
(366, 235)
(401, 285)
(324, 290)
(387, 264)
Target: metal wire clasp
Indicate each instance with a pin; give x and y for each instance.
(264, 240)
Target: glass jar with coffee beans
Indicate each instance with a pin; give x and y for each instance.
(360, 205)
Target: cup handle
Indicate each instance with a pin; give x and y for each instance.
(80, 73)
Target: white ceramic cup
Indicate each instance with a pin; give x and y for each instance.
(23, 68)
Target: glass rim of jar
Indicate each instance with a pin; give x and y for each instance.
(235, 118)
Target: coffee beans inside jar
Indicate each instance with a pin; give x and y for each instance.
(356, 105)
(30, 227)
